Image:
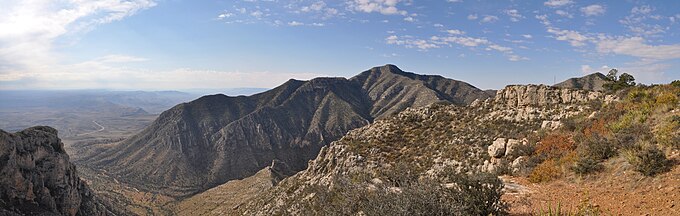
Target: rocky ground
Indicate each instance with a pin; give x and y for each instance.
(616, 192)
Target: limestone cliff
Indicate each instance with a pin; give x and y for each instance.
(36, 177)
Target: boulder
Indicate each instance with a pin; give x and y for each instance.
(513, 146)
(519, 165)
(497, 149)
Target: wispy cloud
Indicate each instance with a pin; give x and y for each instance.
(593, 10)
(558, 3)
(29, 29)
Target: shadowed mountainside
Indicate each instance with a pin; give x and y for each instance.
(201, 144)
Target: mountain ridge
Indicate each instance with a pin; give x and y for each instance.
(217, 138)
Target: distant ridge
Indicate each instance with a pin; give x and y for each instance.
(198, 145)
(593, 82)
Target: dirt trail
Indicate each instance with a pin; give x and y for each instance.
(91, 132)
(616, 192)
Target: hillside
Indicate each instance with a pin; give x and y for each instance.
(38, 179)
(218, 138)
(593, 82)
(587, 152)
(361, 171)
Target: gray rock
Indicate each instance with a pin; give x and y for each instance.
(519, 165)
(512, 146)
(497, 149)
(36, 177)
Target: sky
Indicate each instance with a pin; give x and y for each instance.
(183, 44)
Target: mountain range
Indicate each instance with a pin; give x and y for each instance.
(201, 144)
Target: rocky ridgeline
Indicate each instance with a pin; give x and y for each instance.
(540, 103)
(36, 177)
(486, 136)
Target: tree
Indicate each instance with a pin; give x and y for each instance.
(623, 81)
(626, 80)
(611, 76)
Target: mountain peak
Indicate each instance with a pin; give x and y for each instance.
(594, 82)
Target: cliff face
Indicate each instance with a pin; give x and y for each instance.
(542, 95)
(214, 139)
(36, 177)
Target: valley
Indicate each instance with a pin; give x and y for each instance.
(380, 131)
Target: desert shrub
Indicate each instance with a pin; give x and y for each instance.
(586, 165)
(596, 147)
(676, 83)
(647, 159)
(546, 171)
(555, 145)
(667, 133)
(476, 194)
(629, 136)
(667, 98)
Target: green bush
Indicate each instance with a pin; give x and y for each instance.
(647, 159)
(597, 147)
(586, 165)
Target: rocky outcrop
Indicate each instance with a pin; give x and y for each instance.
(540, 103)
(36, 177)
(506, 154)
(218, 138)
(541, 95)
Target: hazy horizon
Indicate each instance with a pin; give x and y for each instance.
(179, 45)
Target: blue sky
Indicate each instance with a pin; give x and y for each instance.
(181, 44)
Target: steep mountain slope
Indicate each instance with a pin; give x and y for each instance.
(593, 82)
(38, 179)
(388, 161)
(198, 145)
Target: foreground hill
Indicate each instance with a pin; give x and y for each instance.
(201, 144)
(38, 179)
(561, 151)
(432, 160)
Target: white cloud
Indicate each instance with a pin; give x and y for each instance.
(573, 37)
(517, 58)
(515, 16)
(593, 10)
(386, 7)
(638, 21)
(527, 36)
(489, 19)
(586, 69)
(30, 27)
(409, 42)
(472, 17)
(558, 3)
(499, 48)
(564, 14)
(295, 23)
(409, 19)
(316, 6)
(455, 32)
(637, 47)
(464, 41)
